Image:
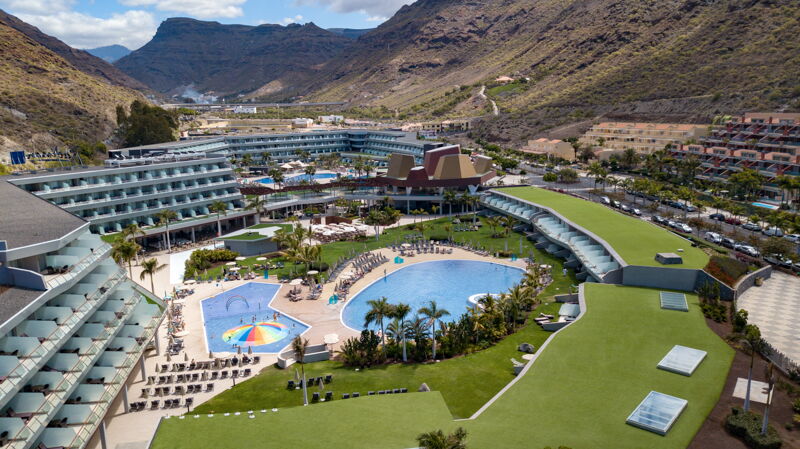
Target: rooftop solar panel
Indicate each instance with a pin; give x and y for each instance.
(657, 412)
(682, 360)
(674, 301)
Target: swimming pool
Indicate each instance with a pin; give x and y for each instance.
(766, 205)
(237, 307)
(448, 282)
(300, 178)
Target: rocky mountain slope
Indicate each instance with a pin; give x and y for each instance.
(584, 58)
(230, 59)
(47, 100)
(109, 53)
(80, 59)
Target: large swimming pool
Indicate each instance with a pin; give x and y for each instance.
(247, 305)
(300, 178)
(448, 282)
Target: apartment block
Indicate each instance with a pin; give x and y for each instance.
(73, 327)
(551, 148)
(768, 143)
(643, 137)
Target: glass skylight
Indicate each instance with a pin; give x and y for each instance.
(657, 412)
(674, 301)
(682, 360)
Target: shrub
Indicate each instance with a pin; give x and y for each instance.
(740, 320)
(319, 266)
(747, 427)
(726, 269)
(202, 259)
(550, 177)
(438, 237)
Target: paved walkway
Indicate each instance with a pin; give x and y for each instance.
(775, 309)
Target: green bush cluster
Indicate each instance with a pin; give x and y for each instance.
(203, 259)
(747, 427)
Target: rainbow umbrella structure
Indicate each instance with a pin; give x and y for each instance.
(257, 334)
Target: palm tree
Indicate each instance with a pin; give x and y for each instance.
(512, 303)
(433, 313)
(124, 251)
(400, 312)
(299, 346)
(258, 204)
(165, 217)
(149, 268)
(449, 197)
(219, 208)
(310, 170)
(379, 309)
(753, 343)
(132, 231)
(438, 440)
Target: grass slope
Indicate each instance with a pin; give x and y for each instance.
(635, 240)
(579, 392)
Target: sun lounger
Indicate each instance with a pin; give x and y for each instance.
(328, 396)
(345, 395)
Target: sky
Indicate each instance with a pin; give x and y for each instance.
(97, 23)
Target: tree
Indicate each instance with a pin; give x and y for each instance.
(145, 125)
(599, 173)
(124, 251)
(753, 343)
(438, 440)
(310, 170)
(165, 217)
(219, 208)
(400, 312)
(258, 204)
(299, 347)
(132, 231)
(449, 197)
(149, 268)
(379, 309)
(433, 313)
(629, 159)
(277, 176)
(746, 182)
(770, 375)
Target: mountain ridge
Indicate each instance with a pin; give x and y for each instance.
(109, 53)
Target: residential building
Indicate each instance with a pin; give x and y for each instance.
(245, 110)
(642, 137)
(765, 142)
(73, 327)
(330, 119)
(135, 190)
(552, 148)
(302, 123)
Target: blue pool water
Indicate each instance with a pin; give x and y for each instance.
(303, 177)
(448, 282)
(766, 206)
(251, 299)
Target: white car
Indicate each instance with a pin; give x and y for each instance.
(794, 238)
(606, 200)
(636, 212)
(684, 227)
(713, 237)
(747, 249)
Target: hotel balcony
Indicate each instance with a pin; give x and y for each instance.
(108, 200)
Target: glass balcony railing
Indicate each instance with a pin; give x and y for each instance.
(59, 279)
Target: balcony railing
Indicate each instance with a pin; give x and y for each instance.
(59, 279)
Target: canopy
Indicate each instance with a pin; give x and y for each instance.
(262, 333)
(296, 282)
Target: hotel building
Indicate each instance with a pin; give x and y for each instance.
(768, 143)
(73, 327)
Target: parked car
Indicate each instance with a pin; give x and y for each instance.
(747, 249)
(751, 227)
(794, 238)
(728, 242)
(616, 204)
(772, 232)
(636, 212)
(605, 200)
(733, 221)
(626, 208)
(689, 208)
(717, 216)
(713, 237)
(684, 227)
(672, 224)
(659, 219)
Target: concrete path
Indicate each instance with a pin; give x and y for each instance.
(775, 309)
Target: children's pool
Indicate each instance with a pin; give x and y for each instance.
(242, 317)
(448, 282)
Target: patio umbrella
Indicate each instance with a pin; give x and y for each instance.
(313, 272)
(238, 349)
(296, 282)
(231, 264)
(240, 258)
(169, 359)
(261, 259)
(249, 350)
(257, 334)
(189, 282)
(210, 355)
(331, 339)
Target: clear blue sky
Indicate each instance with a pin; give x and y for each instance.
(95, 23)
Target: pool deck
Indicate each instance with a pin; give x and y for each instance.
(134, 430)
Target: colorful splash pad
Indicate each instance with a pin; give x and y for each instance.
(257, 334)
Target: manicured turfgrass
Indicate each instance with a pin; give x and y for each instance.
(578, 393)
(636, 241)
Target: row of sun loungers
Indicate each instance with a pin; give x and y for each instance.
(155, 405)
(291, 385)
(167, 391)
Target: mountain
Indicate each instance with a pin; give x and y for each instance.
(46, 100)
(230, 59)
(109, 53)
(350, 33)
(676, 59)
(80, 59)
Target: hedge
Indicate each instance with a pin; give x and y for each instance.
(747, 427)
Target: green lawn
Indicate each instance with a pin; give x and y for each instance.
(636, 241)
(578, 393)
